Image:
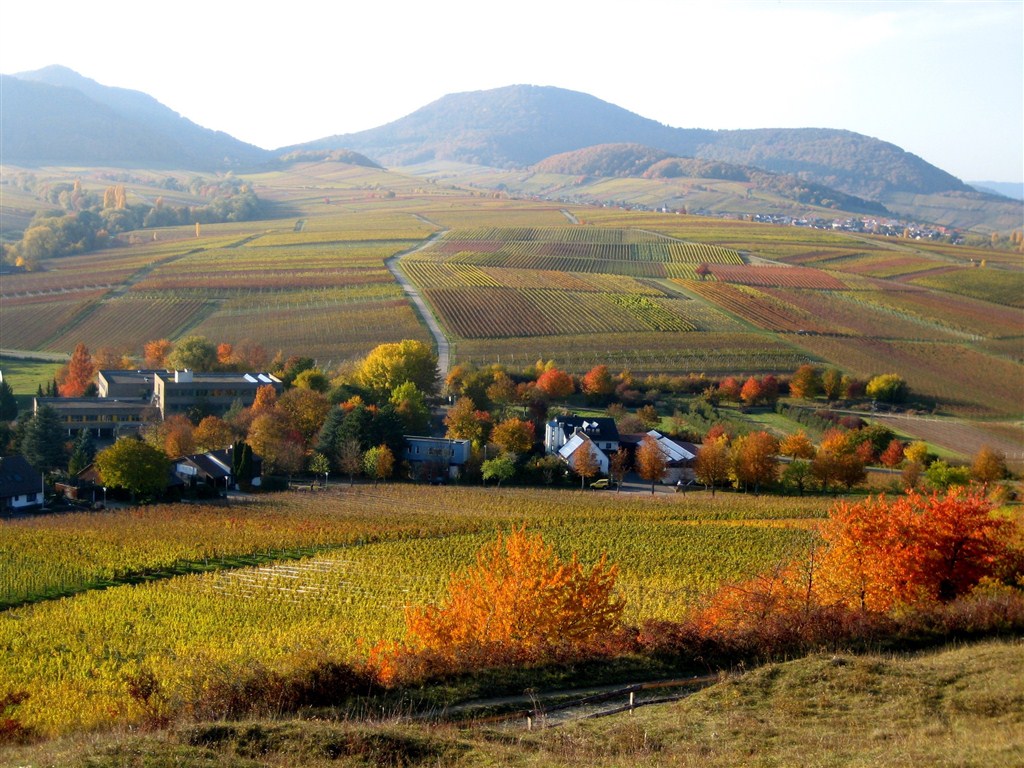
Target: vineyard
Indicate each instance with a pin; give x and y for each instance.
(29, 324)
(474, 313)
(932, 369)
(713, 353)
(333, 332)
(857, 313)
(774, 277)
(564, 283)
(119, 323)
(514, 280)
(991, 285)
(379, 550)
(754, 307)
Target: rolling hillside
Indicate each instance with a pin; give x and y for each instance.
(639, 162)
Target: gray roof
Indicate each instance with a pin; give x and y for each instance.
(17, 477)
(595, 427)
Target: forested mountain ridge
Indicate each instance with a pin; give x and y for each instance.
(520, 125)
(56, 116)
(637, 161)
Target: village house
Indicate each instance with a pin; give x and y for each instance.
(580, 443)
(601, 430)
(21, 487)
(432, 458)
(565, 435)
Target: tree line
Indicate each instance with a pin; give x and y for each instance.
(86, 220)
(352, 421)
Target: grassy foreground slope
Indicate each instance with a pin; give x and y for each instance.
(958, 707)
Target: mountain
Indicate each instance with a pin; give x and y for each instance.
(56, 116)
(637, 161)
(1010, 189)
(520, 125)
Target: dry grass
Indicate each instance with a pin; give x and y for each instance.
(959, 707)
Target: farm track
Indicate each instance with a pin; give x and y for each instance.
(414, 295)
(122, 289)
(550, 709)
(147, 270)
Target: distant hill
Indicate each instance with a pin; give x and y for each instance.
(56, 116)
(520, 125)
(345, 156)
(636, 161)
(1012, 190)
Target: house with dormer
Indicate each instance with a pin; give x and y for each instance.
(565, 435)
(600, 430)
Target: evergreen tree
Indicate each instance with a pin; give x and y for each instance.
(241, 463)
(82, 454)
(43, 442)
(8, 405)
(327, 439)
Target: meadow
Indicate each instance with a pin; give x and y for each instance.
(368, 553)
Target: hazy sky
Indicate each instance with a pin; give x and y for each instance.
(944, 80)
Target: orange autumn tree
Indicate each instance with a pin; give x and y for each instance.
(155, 353)
(556, 384)
(877, 556)
(77, 375)
(519, 604)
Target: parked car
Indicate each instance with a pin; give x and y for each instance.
(602, 483)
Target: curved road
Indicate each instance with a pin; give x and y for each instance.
(413, 294)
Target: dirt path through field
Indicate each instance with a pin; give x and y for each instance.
(414, 295)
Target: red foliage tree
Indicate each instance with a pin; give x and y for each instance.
(597, 382)
(513, 435)
(755, 459)
(155, 353)
(751, 392)
(806, 382)
(650, 461)
(77, 376)
(915, 549)
(892, 456)
(556, 384)
(729, 389)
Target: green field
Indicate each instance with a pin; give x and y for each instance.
(26, 376)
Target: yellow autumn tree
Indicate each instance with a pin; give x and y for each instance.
(519, 604)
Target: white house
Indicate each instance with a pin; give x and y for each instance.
(578, 443)
(599, 429)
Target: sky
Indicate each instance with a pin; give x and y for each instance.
(941, 79)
